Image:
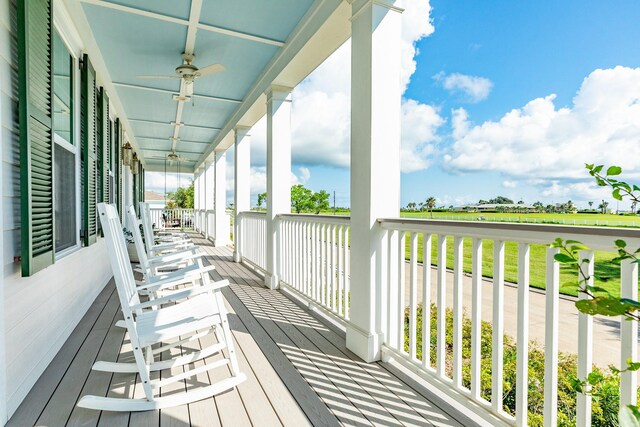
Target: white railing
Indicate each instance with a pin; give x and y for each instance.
(445, 367)
(172, 218)
(315, 259)
(252, 240)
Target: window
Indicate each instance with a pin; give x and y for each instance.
(65, 152)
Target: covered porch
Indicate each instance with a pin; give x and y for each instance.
(299, 370)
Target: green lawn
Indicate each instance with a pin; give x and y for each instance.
(604, 268)
(539, 218)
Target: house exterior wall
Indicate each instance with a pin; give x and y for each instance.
(37, 313)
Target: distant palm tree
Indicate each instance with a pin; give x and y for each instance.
(590, 205)
(603, 206)
(430, 204)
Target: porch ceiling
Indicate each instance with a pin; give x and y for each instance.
(148, 37)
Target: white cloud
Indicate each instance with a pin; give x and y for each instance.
(509, 184)
(474, 87)
(542, 141)
(155, 181)
(419, 125)
(322, 105)
(259, 178)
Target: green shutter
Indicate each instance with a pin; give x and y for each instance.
(105, 144)
(35, 77)
(118, 168)
(89, 151)
(135, 192)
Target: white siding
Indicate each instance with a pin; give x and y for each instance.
(38, 313)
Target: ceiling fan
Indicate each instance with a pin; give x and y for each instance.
(189, 72)
(172, 157)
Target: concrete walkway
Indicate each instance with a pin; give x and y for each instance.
(606, 330)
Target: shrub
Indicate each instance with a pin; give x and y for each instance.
(605, 393)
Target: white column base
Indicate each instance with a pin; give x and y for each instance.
(271, 281)
(366, 346)
(236, 256)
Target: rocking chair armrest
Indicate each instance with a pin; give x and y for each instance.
(181, 295)
(173, 280)
(172, 244)
(174, 258)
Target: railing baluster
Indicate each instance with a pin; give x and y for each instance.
(551, 340)
(402, 241)
(441, 305)
(413, 294)
(628, 334)
(457, 311)
(347, 279)
(392, 293)
(476, 318)
(498, 326)
(426, 300)
(585, 344)
(340, 269)
(333, 269)
(522, 351)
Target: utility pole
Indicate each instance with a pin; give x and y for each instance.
(334, 202)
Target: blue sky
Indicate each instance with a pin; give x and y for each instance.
(502, 98)
(527, 50)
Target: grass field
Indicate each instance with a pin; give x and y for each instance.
(538, 218)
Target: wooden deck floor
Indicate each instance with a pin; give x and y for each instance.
(299, 371)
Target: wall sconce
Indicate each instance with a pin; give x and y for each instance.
(135, 164)
(126, 154)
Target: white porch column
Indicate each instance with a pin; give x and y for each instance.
(278, 174)
(242, 184)
(222, 225)
(209, 199)
(375, 163)
(196, 199)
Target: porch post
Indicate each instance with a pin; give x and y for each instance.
(222, 225)
(375, 163)
(278, 175)
(242, 181)
(209, 199)
(196, 199)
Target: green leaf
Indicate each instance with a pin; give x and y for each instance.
(598, 168)
(629, 416)
(579, 247)
(571, 242)
(620, 243)
(597, 289)
(614, 170)
(616, 194)
(601, 182)
(632, 366)
(606, 306)
(588, 166)
(636, 188)
(565, 259)
(633, 304)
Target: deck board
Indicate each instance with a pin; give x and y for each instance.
(299, 371)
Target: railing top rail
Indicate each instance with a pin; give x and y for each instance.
(252, 213)
(333, 219)
(599, 238)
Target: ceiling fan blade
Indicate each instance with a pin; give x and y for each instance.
(158, 77)
(210, 69)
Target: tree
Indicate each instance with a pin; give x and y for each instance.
(411, 206)
(301, 198)
(501, 200)
(430, 203)
(603, 206)
(590, 205)
(320, 201)
(183, 197)
(262, 198)
(539, 206)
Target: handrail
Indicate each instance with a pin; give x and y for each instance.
(326, 219)
(597, 238)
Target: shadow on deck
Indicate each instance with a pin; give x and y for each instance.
(299, 371)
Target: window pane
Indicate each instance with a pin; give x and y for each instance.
(65, 198)
(62, 87)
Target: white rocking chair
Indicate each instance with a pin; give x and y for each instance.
(151, 323)
(167, 240)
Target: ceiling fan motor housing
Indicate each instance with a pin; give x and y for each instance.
(186, 71)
